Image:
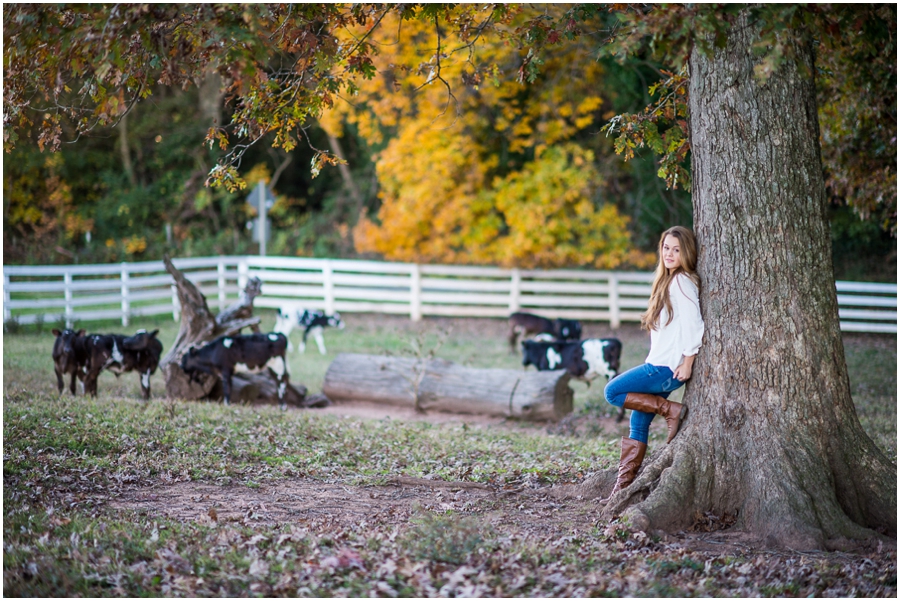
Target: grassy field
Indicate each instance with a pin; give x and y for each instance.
(73, 468)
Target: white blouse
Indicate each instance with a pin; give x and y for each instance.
(670, 344)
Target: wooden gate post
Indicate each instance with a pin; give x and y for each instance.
(614, 319)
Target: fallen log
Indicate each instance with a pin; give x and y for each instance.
(436, 384)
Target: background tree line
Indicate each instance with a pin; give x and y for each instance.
(455, 159)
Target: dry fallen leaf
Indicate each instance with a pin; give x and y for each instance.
(259, 568)
(346, 558)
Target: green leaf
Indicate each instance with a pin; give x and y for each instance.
(653, 139)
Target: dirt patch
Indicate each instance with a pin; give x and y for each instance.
(304, 501)
(538, 510)
(549, 513)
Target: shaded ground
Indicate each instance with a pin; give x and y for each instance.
(549, 513)
(305, 501)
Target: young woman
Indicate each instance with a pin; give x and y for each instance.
(676, 331)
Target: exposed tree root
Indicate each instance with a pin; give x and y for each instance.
(669, 492)
(597, 486)
(846, 535)
(651, 480)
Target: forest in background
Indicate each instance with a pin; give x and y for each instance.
(474, 165)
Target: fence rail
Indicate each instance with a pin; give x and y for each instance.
(79, 293)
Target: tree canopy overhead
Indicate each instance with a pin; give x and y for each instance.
(508, 82)
(70, 69)
(282, 64)
(857, 106)
(88, 65)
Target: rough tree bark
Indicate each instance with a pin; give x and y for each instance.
(198, 326)
(772, 433)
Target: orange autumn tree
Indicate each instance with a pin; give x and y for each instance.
(476, 166)
(39, 206)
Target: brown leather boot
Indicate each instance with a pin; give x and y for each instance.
(650, 403)
(629, 461)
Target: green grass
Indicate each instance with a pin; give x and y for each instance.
(27, 354)
(242, 445)
(872, 366)
(66, 458)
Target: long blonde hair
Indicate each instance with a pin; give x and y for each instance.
(659, 294)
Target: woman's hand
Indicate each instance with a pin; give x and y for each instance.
(683, 371)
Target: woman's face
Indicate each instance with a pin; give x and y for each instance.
(671, 253)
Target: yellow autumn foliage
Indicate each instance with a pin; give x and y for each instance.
(552, 216)
(135, 245)
(544, 215)
(428, 185)
(39, 203)
(477, 167)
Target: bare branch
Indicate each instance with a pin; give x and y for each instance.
(279, 170)
(435, 74)
(371, 30)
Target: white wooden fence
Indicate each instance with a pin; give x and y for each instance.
(80, 293)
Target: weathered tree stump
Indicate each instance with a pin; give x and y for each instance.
(198, 327)
(445, 386)
(242, 308)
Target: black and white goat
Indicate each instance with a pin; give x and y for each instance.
(528, 324)
(250, 352)
(584, 359)
(311, 321)
(119, 354)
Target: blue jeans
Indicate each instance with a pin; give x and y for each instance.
(651, 379)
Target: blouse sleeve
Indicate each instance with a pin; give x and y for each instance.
(687, 307)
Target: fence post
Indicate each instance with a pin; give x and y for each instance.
(328, 285)
(515, 286)
(243, 274)
(176, 304)
(415, 293)
(126, 304)
(614, 320)
(67, 293)
(221, 272)
(7, 313)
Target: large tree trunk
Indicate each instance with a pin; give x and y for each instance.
(772, 432)
(436, 384)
